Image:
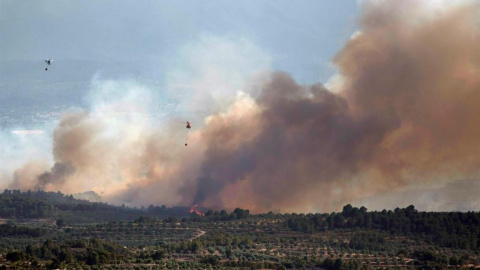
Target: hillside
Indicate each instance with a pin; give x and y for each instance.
(15, 204)
(47, 230)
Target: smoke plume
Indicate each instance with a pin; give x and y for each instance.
(405, 116)
(406, 113)
(57, 176)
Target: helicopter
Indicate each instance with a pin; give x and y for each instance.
(188, 127)
(49, 62)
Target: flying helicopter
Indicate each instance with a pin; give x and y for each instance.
(188, 127)
(49, 62)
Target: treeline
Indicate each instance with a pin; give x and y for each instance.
(223, 215)
(17, 206)
(40, 204)
(209, 215)
(75, 253)
(13, 230)
(164, 211)
(43, 204)
(367, 241)
(81, 254)
(447, 229)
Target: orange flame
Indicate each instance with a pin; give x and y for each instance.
(194, 210)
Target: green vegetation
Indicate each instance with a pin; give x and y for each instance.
(45, 230)
(453, 230)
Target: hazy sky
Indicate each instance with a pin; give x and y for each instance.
(398, 114)
(300, 36)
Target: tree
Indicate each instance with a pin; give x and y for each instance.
(195, 246)
(92, 258)
(212, 260)
(228, 253)
(453, 261)
(337, 264)
(60, 223)
(158, 255)
(347, 210)
(14, 256)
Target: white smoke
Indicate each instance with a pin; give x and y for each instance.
(130, 135)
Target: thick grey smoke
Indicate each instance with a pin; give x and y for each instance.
(304, 137)
(406, 116)
(57, 176)
(406, 113)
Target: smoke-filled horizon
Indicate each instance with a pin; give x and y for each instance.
(404, 115)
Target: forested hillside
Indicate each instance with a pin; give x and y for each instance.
(15, 204)
(446, 229)
(51, 230)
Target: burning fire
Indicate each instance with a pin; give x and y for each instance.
(194, 210)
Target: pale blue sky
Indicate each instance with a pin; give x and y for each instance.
(300, 36)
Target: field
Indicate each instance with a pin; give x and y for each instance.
(351, 239)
